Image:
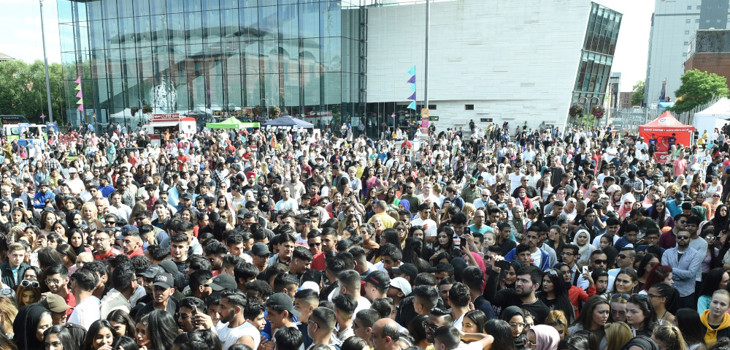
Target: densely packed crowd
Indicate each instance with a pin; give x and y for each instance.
(495, 237)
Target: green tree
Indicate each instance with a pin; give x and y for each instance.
(699, 88)
(23, 90)
(637, 99)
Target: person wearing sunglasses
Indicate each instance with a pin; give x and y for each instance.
(685, 263)
(28, 293)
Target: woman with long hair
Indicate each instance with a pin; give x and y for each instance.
(28, 292)
(626, 281)
(502, 333)
(659, 213)
(617, 335)
(557, 320)
(77, 241)
(688, 320)
(156, 330)
(122, 323)
(48, 217)
(554, 293)
(658, 274)
(58, 337)
(474, 321)
(715, 279)
(721, 218)
(593, 318)
(664, 300)
(640, 315)
(444, 242)
(99, 336)
(644, 266)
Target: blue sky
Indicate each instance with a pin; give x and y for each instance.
(20, 26)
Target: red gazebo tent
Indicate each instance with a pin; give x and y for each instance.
(662, 129)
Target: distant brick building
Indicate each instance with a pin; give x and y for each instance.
(624, 99)
(710, 52)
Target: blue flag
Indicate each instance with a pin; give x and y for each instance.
(412, 71)
(412, 105)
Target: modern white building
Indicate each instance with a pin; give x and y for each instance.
(492, 60)
(673, 29)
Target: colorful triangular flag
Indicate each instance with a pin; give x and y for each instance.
(78, 88)
(80, 101)
(412, 105)
(413, 87)
(412, 80)
(78, 80)
(79, 94)
(412, 71)
(412, 97)
(80, 108)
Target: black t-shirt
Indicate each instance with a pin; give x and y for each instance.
(508, 297)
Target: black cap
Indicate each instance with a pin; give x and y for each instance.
(379, 279)
(186, 195)
(169, 266)
(164, 280)
(223, 282)
(260, 249)
(407, 269)
(241, 213)
(281, 301)
(152, 271)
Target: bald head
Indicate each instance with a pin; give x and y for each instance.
(385, 334)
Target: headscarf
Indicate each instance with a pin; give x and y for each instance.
(25, 326)
(510, 312)
(699, 211)
(585, 250)
(406, 204)
(643, 342)
(547, 337)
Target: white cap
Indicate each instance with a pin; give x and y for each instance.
(401, 284)
(72, 170)
(310, 285)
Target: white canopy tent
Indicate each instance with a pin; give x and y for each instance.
(715, 116)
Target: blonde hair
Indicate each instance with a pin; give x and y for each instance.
(468, 209)
(92, 206)
(617, 335)
(670, 335)
(556, 318)
(8, 311)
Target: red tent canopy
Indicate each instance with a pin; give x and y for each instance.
(662, 130)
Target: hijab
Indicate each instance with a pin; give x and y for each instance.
(406, 204)
(25, 326)
(547, 337)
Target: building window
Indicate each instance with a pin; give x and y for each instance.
(699, 7)
(469, 107)
(688, 20)
(697, 20)
(686, 43)
(432, 107)
(486, 120)
(684, 54)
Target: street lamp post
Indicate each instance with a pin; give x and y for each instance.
(45, 63)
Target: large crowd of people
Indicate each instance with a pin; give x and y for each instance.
(494, 237)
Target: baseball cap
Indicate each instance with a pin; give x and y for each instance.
(401, 284)
(164, 280)
(310, 285)
(260, 249)
(152, 271)
(169, 267)
(55, 303)
(281, 301)
(129, 228)
(223, 282)
(407, 269)
(186, 195)
(241, 213)
(379, 279)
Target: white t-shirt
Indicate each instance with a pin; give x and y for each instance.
(86, 312)
(251, 331)
(229, 336)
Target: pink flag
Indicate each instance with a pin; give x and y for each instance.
(80, 108)
(79, 95)
(392, 115)
(78, 80)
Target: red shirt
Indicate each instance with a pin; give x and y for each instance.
(137, 252)
(108, 255)
(318, 262)
(70, 301)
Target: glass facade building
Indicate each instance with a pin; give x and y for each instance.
(206, 56)
(596, 58)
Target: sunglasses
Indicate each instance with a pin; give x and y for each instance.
(620, 295)
(682, 237)
(604, 261)
(31, 284)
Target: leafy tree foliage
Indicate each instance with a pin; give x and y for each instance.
(699, 88)
(23, 90)
(637, 99)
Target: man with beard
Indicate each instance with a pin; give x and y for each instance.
(232, 320)
(470, 192)
(523, 295)
(251, 184)
(685, 262)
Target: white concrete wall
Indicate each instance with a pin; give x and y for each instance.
(514, 60)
